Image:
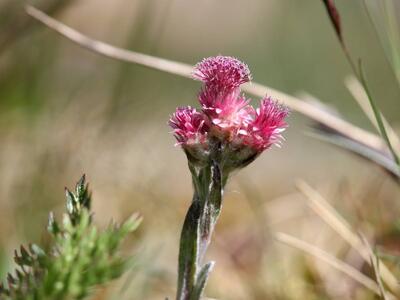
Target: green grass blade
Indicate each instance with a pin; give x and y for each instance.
(378, 116)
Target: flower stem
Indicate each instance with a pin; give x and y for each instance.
(197, 230)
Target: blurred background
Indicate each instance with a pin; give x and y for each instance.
(65, 111)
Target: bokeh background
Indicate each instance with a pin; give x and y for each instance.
(65, 111)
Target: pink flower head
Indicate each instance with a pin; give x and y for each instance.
(224, 110)
(224, 73)
(227, 122)
(266, 127)
(220, 97)
(188, 126)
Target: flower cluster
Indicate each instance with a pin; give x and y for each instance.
(226, 115)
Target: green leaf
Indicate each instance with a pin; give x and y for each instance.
(378, 116)
(202, 280)
(70, 202)
(189, 250)
(52, 225)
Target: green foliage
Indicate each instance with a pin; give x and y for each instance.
(81, 257)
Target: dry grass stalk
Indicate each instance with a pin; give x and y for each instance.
(343, 228)
(329, 259)
(359, 94)
(375, 264)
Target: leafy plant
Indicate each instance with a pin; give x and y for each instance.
(80, 258)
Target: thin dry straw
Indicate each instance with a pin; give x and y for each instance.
(359, 94)
(328, 214)
(381, 158)
(364, 137)
(108, 50)
(375, 265)
(320, 115)
(329, 259)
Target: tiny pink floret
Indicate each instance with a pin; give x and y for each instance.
(224, 110)
(222, 72)
(220, 96)
(188, 126)
(267, 125)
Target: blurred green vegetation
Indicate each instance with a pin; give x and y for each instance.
(65, 111)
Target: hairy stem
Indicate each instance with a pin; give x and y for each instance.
(211, 209)
(197, 230)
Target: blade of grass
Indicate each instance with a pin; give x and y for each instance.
(358, 92)
(329, 215)
(378, 115)
(393, 31)
(343, 140)
(379, 158)
(358, 72)
(329, 259)
(394, 42)
(181, 69)
(390, 55)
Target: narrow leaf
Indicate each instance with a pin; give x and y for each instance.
(189, 250)
(202, 280)
(378, 116)
(70, 202)
(80, 186)
(52, 225)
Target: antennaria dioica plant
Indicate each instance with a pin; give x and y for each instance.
(226, 135)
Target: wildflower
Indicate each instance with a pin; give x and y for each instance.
(266, 127)
(223, 72)
(220, 97)
(190, 131)
(227, 134)
(224, 110)
(227, 119)
(188, 125)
